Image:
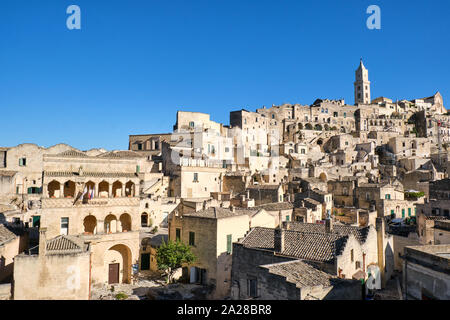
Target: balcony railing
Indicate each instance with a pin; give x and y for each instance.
(95, 202)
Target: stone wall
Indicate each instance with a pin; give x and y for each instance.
(245, 264)
(52, 277)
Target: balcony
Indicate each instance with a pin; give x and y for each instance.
(95, 202)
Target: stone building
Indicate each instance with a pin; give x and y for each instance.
(266, 193)
(149, 144)
(61, 270)
(210, 233)
(96, 198)
(13, 241)
(426, 272)
(342, 251)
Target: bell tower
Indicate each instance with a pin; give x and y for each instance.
(362, 85)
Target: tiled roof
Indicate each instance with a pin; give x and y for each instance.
(265, 186)
(338, 229)
(121, 154)
(6, 235)
(310, 246)
(276, 206)
(72, 153)
(298, 203)
(64, 245)
(218, 213)
(437, 218)
(301, 273)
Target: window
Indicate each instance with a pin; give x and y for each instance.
(351, 255)
(409, 212)
(139, 146)
(178, 234)
(357, 265)
(195, 177)
(65, 226)
(192, 238)
(252, 286)
(287, 218)
(403, 213)
(22, 162)
(191, 124)
(367, 196)
(229, 243)
(387, 196)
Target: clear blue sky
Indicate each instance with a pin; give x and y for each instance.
(135, 63)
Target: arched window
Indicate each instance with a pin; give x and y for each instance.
(110, 224)
(90, 225)
(125, 222)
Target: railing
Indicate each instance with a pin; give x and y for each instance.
(70, 202)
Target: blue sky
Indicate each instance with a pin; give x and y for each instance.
(135, 63)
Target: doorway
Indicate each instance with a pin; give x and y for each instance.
(113, 274)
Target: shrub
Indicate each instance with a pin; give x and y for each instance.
(414, 195)
(121, 296)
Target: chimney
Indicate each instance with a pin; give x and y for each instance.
(280, 219)
(379, 226)
(279, 236)
(42, 241)
(328, 225)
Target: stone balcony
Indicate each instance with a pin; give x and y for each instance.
(96, 202)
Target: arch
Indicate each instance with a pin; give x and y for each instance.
(119, 254)
(144, 219)
(125, 222)
(90, 185)
(54, 189)
(103, 189)
(69, 189)
(90, 224)
(110, 224)
(323, 177)
(130, 189)
(117, 189)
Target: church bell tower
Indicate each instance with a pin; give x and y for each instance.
(362, 85)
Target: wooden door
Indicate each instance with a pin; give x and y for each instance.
(113, 274)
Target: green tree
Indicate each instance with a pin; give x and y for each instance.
(172, 255)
